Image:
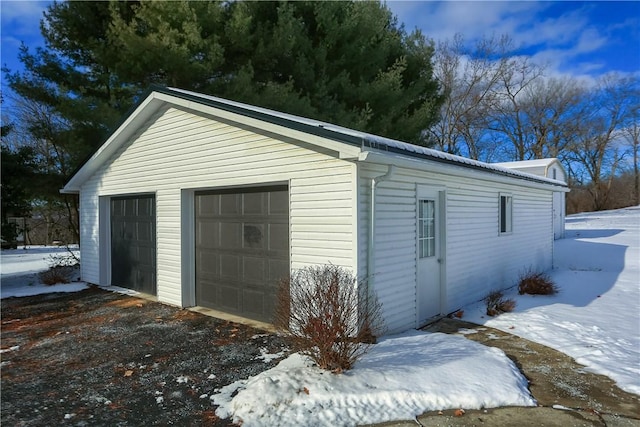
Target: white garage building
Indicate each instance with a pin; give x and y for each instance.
(207, 202)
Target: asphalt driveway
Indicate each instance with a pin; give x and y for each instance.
(99, 358)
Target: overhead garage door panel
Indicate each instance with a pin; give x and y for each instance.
(133, 243)
(242, 249)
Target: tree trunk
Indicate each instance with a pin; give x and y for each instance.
(636, 175)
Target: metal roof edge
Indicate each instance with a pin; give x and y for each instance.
(271, 116)
(472, 166)
(345, 135)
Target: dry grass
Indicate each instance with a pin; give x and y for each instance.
(55, 275)
(61, 268)
(536, 283)
(497, 304)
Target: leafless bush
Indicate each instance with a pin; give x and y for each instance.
(536, 283)
(55, 275)
(61, 268)
(497, 304)
(328, 316)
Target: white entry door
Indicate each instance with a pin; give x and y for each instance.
(429, 253)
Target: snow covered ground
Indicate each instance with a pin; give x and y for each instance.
(19, 270)
(596, 316)
(401, 377)
(595, 319)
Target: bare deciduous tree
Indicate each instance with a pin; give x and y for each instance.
(469, 79)
(45, 132)
(552, 108)
(502, 107)
(598, 146)
(631, 134)
(510, 117)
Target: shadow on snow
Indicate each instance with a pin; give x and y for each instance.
(583, 271)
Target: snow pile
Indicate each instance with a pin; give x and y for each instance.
(596, 316)
(400, 378)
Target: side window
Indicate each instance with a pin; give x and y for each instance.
(506, 213)
(426, 228)
(555, 175)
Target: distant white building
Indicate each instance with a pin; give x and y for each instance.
(207, 202)
(549, 168)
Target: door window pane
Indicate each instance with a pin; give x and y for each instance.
(426, 228)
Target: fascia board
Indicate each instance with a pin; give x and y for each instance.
(457, 170)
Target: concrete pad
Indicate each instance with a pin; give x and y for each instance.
(505, 417)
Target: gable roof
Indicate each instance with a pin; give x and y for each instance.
(341, 139)
(525, 164)
(535, 166)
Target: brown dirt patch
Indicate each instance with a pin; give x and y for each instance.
(554, 378)
(104, 359)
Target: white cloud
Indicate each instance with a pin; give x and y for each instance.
(10, 42)
(573, 58)
(442, 20)
(22, 17)
(589, 41)
(20, 10)
(554, 31)
(565, 39)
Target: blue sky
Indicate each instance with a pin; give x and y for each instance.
(571, 37)
(582, 38)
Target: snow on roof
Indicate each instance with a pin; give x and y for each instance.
(523, 164)
(368, 142)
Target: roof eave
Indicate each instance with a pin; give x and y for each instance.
(416, 161)
(346, 143)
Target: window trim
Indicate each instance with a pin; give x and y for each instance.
(505, 214)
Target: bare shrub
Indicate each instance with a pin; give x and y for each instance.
(536, 283)
(55, 275)
(328, 316)
(61, 268)
(497, 304)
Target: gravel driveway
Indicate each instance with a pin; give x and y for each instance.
(103, 359)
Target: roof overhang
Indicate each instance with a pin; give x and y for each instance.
(471, 171)
(342, 142)
(343, 146)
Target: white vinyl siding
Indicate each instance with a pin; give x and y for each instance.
(177, 150)
(394, 278)
(556, 172)
(89, 237)
(477, 258)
